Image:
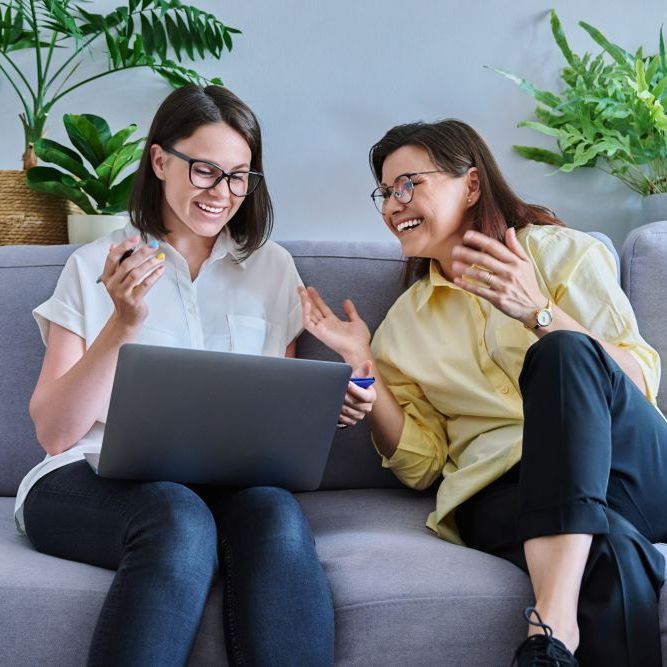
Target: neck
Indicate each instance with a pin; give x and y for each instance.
(443, 254)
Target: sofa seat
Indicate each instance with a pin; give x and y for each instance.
(402, 596)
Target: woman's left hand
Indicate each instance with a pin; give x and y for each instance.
(358, 401)
(503, 273)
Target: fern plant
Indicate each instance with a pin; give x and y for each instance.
(154, 34)
(610, 113)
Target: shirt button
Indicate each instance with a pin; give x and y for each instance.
(505, 390)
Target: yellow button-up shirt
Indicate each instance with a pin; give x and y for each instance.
(452, 360)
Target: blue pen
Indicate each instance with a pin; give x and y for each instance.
(364, 383)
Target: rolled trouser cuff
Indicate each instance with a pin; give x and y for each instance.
(578, 517)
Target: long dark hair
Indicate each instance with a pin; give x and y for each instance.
(179, 116)
(455, 147)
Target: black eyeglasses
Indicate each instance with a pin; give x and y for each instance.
(206, 175)
(402, 189)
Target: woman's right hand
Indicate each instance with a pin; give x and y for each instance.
(128, 283)
(351, 338)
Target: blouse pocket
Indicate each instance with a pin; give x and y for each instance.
(254, 335)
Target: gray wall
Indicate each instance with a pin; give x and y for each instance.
(328, 79)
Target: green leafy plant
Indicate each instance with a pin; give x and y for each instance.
(156, 34)
(108, 154)
(610, 113)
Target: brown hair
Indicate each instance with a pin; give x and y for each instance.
(179, 116)
(455, 147)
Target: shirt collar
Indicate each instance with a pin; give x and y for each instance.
(434, 279)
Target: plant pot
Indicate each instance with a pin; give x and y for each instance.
(654, 208)
(28, 217)
(82, 228)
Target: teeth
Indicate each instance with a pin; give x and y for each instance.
(210, 209)
(408, 224)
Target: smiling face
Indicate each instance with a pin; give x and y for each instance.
(187, 210)
(439, 213)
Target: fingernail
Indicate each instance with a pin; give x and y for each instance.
(153, 244)
(160, 256)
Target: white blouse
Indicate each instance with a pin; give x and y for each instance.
(250, 307)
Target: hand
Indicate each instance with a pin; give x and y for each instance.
(129, 282)
(358, 402)
(504, 275)
(351, 339)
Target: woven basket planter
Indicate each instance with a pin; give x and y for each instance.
(28, 217)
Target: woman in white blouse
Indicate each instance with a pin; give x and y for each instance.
(202, 275)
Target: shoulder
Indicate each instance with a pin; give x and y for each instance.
(405, 307)
(560, 249)
(271, 256)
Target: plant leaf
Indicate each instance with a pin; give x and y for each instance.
(119, 195)
(559, 36)
(621, 56)
(540, 155)
(118, 139)
(88, 134)
(543, 96)
(54, 182)
(55, 153)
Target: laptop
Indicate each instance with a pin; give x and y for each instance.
(202, 417)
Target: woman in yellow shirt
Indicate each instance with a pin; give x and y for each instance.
(513, 369)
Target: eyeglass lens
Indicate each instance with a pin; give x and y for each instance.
(205, 176)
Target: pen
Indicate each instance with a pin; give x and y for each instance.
(123, 257)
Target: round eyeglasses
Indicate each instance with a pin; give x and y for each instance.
(206, 175)
(402, 189)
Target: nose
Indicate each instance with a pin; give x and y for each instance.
(391, 205)
(221, 189)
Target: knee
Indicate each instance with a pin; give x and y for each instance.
(176, 526)
(556, 350)
(271, 514)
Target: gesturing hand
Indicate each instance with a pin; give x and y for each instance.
(358, 401)
(504, 275)
(128, 282)
(349, 338)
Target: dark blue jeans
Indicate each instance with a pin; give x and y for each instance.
(164, 540)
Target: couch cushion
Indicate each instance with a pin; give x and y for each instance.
(644, 262)
(401, 595)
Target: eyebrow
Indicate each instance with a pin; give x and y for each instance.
(407, 173)
(243, 165)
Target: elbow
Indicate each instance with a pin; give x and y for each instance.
(46, 437)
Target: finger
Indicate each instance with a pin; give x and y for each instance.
(473, 288)
(482, 276)
(311, 315)
(143, 287)
(352, 413)
(344, 420)
(115, 253)
(320, 303)
(359, 394)
(141, 272)
(363, 371)
(513, 244)
(142, 254)
(483, 260)
(488, 245)
(350, 311)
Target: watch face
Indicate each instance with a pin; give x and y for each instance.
(544, 318)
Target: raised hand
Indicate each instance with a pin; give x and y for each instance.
(129, 281)
(503, 274)
(358, 401)
(350, 338)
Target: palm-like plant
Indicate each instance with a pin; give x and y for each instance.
(156, 34)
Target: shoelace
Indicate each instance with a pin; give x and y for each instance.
(543, 649)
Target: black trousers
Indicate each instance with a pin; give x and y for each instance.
(594, 461)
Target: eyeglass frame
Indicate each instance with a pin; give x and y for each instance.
(223, 173)
(412, 189)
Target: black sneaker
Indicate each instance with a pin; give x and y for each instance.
(544, 649)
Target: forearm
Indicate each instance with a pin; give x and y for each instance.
(562, 321)
(387, 417)
(65, 409)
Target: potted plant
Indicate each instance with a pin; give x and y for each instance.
(152, 34)
(99, 193)
(609, 114)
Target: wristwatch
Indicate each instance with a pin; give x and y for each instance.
(543, 317)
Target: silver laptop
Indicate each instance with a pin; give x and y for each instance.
(200, 417)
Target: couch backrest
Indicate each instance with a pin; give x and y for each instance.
(368, 273)
(644, 270)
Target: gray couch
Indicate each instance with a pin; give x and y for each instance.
(402, 596)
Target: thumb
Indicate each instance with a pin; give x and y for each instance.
(513, 244)
(350, 310)
(363, 371)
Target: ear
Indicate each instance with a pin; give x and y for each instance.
(473, 191)
(157, 161)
